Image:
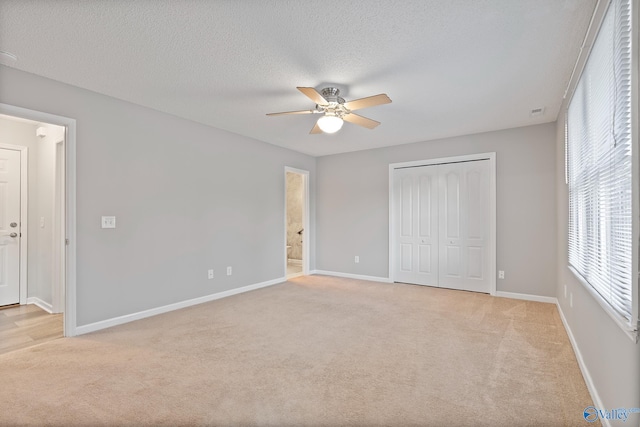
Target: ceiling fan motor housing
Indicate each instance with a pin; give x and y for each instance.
(335, 105)
(332, 94)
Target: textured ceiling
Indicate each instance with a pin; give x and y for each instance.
(451, 67)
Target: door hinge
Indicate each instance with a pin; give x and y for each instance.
(66, 242)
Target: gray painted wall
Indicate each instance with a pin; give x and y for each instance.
(173, 186)
(353, 205)
(611, 358)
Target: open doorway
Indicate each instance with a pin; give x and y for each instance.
(296, 222)
(33, 231)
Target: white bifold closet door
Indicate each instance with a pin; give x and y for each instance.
(441, 225)
(416, 225)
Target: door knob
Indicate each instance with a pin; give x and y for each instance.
(13, 235)
(13, 224)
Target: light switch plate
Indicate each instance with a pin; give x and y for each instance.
(108, 222)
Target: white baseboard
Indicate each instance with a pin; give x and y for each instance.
(351, 276)
(103, 324)
(513, 295)
(527, 297)
(294, 261)
(42, 304)
(597, 402)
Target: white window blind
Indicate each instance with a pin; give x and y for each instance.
(599, 165)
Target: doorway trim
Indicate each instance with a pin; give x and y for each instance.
(305, 219)
(68, 220)
(491, 157)
(58, 270)
(24, 206)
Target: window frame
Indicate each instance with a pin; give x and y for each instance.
(629, 327)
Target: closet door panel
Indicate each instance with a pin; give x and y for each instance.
(416, 225)
(464, 224)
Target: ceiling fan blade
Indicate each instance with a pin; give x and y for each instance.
(359, 120)
(369, 101)
(313, 95)
(292, 112)
(316, 129)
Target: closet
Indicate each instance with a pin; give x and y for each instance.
(441, 225)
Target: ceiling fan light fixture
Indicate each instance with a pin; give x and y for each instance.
(336, 110)
(330, 123)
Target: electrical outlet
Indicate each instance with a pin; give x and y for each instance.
(210, 274)
(357, 259)
(229, 271)
(108, 222)
(500, 274)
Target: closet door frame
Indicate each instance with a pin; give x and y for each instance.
(491, 244)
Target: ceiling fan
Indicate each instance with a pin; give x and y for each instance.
(335, 110)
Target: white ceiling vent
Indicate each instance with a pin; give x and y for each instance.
(536, 112)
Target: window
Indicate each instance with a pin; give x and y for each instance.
(599, 165)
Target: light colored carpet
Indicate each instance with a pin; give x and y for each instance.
(314, 351)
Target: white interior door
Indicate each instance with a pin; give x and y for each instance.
(464, 226)
(441, 225)
(416, 194)
(9, 226)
